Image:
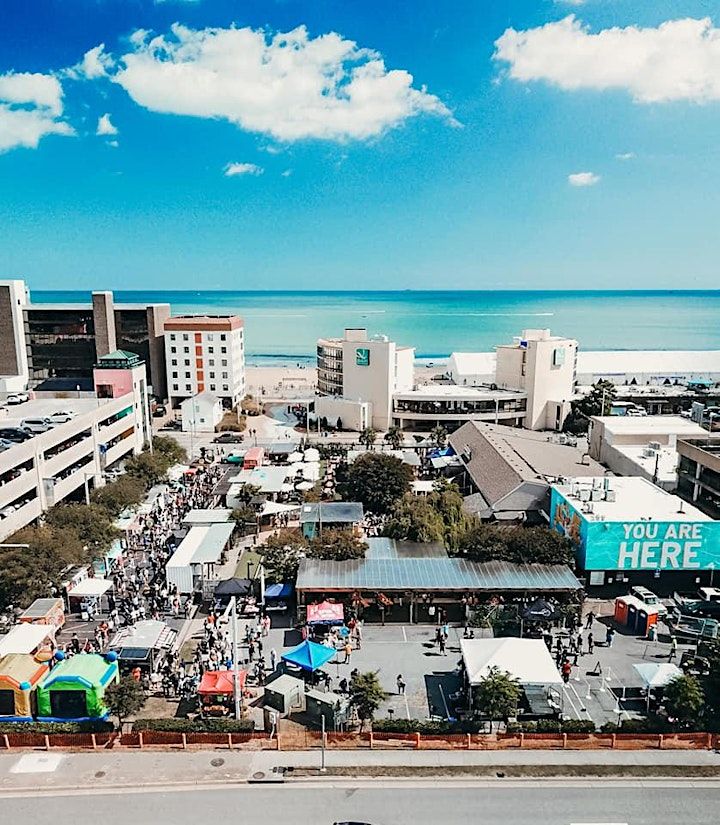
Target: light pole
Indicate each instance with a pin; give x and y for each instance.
(236, 670)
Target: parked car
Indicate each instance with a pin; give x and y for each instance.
(14, 434)
(36, 425)
(17, 398)
(5, 444)
(228, 438)
(7, 511)
(159, 411)
(173, 424)
(61, 417)
(702, 610)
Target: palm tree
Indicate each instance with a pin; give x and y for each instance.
(438, 436)
(394, 437)
(368, 437)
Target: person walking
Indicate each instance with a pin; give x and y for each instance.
(442, 646)
(609, 636)
(348, 653)
(590, 643)
(589, 619)
(566, 671)
(673, 649)
(400, 685)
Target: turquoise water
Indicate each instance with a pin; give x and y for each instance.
(283, 326)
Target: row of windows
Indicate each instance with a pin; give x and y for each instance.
(211, 362)
(186, 336)
(210, 375)
(188, 388)
(223, 350)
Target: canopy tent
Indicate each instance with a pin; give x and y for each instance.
(272, 508)
(220, 682)
(325, 613)
(233, 587)
(26, 638)
(311, 454)
(19, 676)
(304, 486)
(90, 588)
(279, 591)
(293, 458)
(309, 656)
(657, 674)
(527, 660)
(539, 611)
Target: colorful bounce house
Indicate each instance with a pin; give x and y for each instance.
(73, 691)
(20, 674)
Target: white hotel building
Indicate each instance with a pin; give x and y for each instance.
(205, 354)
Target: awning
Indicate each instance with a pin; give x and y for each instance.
(233, 587)
(279, 591)
(657, 674)
(216, 682)
(309, 656)
(89, 588)
(26, 638)
(272, 508)
(311, 454)
(326, 613)
(526, 660)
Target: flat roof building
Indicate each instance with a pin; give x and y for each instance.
(630, 530)
(699, 473)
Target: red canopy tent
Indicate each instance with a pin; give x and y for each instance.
(325, 613)
(220, 682)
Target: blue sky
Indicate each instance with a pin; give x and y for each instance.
(469, 144)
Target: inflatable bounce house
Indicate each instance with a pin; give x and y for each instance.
(20, 674)
(73, 690)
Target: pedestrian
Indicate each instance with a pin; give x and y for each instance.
(591, 643)
(400, 684)
(446, 630)
(273, 659)
(589, 619)
(566, 671)
(442, 646)
(348, 652)
(251, 650)
(673, 649)
(609, 635)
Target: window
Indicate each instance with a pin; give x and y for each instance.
(187, 362)
(174, 375)
(185, 336)
(209, 336)
(224, 375)
(212, 387)
(212, 375)
(172, 336)
(222, 336)
(224, 362)
(188, 388)
(187, 375)
(186, 349)
(173, 349)
(174, 362)
(175, 386)
(223, 350)
(211, 362)
(225, 387)
(211, 349)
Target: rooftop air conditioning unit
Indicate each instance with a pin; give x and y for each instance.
(654, 445)
(584, 495)
(597, 495)
(610, 495)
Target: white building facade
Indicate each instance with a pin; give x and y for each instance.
(201, 413)
(205, 354)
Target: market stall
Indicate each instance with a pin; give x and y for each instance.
(656, 676)
(28, 638)
(326, 613)
(308, 656)
(217, 691)
(45, 611)
(19, 677)
(144, 644)
(74, 689)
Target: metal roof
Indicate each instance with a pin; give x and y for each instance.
(332, 512)
(381, 547)
(432, 574)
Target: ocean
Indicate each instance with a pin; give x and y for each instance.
(282, 327)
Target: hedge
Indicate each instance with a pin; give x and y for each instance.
(553, 726)
(56, 727)
(418, 726)
(196, 725)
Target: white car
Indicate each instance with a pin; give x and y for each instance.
(17, 398)
(61, 417)
(36, 425)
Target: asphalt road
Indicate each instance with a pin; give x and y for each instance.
(383, 804)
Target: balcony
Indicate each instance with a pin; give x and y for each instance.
(67, 457)
(20, 518)
(18, 487)
(116, 428)
(118, 450)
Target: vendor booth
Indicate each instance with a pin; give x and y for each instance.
(325, 613)
(655, 677)
(86, 595)
(308, 656)
(19, 677)
(277, 597)
(217, 691)
(144, 644)
(75, 687)
(45, 611)
(28, 638)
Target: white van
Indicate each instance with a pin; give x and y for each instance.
(36, 425)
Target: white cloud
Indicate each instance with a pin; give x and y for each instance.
(95, 63)
(583, 179)
(625, 156)
(678, 60)
(231, 170)
(30, 108)
(287, 173)
(105, 126)
(288, 86)
(113, 143)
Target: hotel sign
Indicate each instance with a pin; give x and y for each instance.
(362, 357)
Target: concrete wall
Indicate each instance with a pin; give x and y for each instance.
(13, 354)
(355, 415)
(374, 382)
(156, 316)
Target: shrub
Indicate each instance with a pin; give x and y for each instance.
(56, 727)
(419, 726)
(195, 725)
(553, 726)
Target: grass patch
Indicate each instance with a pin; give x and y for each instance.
(248, 556)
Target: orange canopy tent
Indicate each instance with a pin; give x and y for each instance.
(220, 682)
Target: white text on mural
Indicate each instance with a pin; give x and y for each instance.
(652, 546)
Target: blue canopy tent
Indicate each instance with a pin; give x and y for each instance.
(309, 656)
(278, 591)
(441, 452)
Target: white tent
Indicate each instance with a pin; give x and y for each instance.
(311, 454)
(26, 638)
(657, 674)
(272, 508)
(295, 457)
(90, 588)
(527, 660)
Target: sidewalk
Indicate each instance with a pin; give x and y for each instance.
(107, 770)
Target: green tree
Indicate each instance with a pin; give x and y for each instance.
(337, 545)
(368, 437)
(366, 695)
(282, 553)
(684, 700)
(394, 437)
(438, 436)
(447, 500)
(377, 480)
(124, 698)
(91, 522)
(597, 402)
(247, 492)
(168, 447)
(414, 519)
(497, 695)
(149, 468)
(519, 545)
(117, 496)
(243, 516)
